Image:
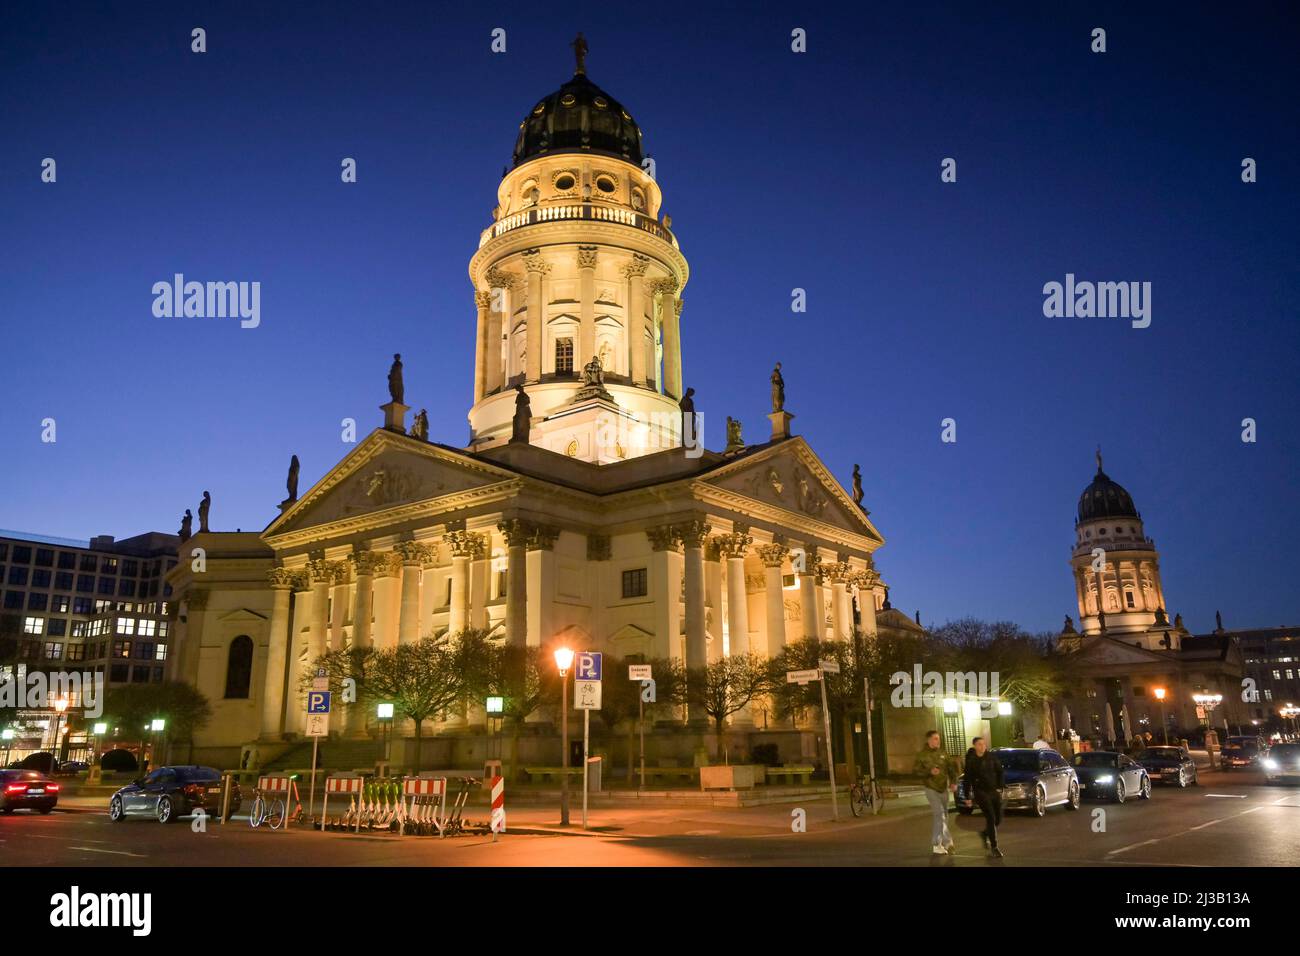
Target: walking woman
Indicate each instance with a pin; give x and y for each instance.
(938, 778)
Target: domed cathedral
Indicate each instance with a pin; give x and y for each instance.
(1129, 667)
(579, 287)
(579, 512)
(1117, 568)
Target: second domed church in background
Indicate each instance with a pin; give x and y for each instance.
(579, 511)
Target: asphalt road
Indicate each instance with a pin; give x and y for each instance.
(1230, 820)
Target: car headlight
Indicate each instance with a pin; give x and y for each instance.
(1016, 790)
(1270, 764)
(1105, 778)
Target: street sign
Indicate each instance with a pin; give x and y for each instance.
(318, 725)
(586, 695)
(320, 682)
(318, 702)
(638, 672)
(587, 666)
(830, 667)
(802, 677)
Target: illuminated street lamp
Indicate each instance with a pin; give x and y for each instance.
(1290, 712)
(1164, 726)
(385, 714)
(60, 705)
(563, 661)
(495, 707)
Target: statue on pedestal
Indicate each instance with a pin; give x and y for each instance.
(593, 373)
(420, 427)
(396, 390)
(204, 507)
(187, 525)
(857, 486)
(733, 434)
(291, 483)
(690, 431)
(778, 389)
(523, 420)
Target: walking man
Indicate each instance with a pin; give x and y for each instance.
(938, 778)
(983, 784)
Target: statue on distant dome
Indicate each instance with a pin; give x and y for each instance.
(690, 435)
(778, 389)
(733, 433)
(187, 526)
(420, 427)
(1218, 623)
(593, 373)
(857, 486)
(523, 419)
(204, 507)
(292, 482)
(396, 390)
(1099, 459)
(579, 45)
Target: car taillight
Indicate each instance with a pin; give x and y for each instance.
(194, 789)
(51, 788)
(15, 788)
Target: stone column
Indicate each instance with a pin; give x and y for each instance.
(665, 590)
(666, 289)
(501, 286)
(541, 583)
(465, 546)
(429, 596)
(735, 546)
(635, 272)
(713, 597)
(537, 268)
(277, 651)
(299, 649)
(586, 306)
(365, 563)
(808, 593)
(413, 555)
(482, 300)
(773, 556)
(386, 602)
(516, 534)
(340, 589)
(692, 535)
(866, 581)
(841, 613)
(322, 576)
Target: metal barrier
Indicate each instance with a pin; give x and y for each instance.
(426, 810)
(350, 785)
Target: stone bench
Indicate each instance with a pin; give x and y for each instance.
(788, 773)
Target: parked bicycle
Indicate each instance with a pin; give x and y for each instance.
(269, 806)
(866, 796)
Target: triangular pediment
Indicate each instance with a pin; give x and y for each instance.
(241, 615)
(1109, 652)
(791, 477)
(385, 471)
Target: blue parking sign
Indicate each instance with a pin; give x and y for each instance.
(318, 702)
(588, 666)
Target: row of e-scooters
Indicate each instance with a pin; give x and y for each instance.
(382, 807)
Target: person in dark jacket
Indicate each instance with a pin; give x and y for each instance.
(983, 786)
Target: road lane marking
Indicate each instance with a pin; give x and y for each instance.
(1229, 796)
(1201, 826)
(1132, 846)
(92, 849)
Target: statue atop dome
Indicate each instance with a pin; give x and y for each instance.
(579, 45)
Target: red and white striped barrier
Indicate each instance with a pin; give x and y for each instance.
(425, 786)
(498, 820)
(351, 785)
(273, 784)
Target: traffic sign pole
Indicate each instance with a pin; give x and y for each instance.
(586, 740)
(830, 756)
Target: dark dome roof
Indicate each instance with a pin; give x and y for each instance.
(579, 117)
(1105, 499)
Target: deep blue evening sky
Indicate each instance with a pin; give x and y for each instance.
(780, 170)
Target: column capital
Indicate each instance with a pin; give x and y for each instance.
(466, 544)
(693, 533)
(663, 286)
(413, 552)
(500, 279)
(389, 564)
(327, 572)
(587, 257)
(736, 544)
(534, 262)
(677, 305)
(773, 555)
(514, 530)
(543, 537)
(196, 599)
(280, 579)
(663, 537)
(367, 562)
(839, 572)
(483, 300)
(637, 267)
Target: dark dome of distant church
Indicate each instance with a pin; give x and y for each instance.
(579, 117)
(1105, 498)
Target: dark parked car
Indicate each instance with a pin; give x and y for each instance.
(1111, 776)
(27, 790)
(1035, 780)
(42, 761)
(1281, 762)
(1169, 765)
(1241, 752)
(169, 793)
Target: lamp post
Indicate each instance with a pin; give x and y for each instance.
(1164, 725)
(8, 736)
(385, 714)
(1207, 703)
(1288, 712)
(60, 705)
(563, 661)
(156, 726)
(495, 708)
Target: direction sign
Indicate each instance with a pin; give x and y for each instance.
(586, 695)
(802, 677)
(318, 702)
(638, 672)
(830, 667)
(318, 725)
(587, 666)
